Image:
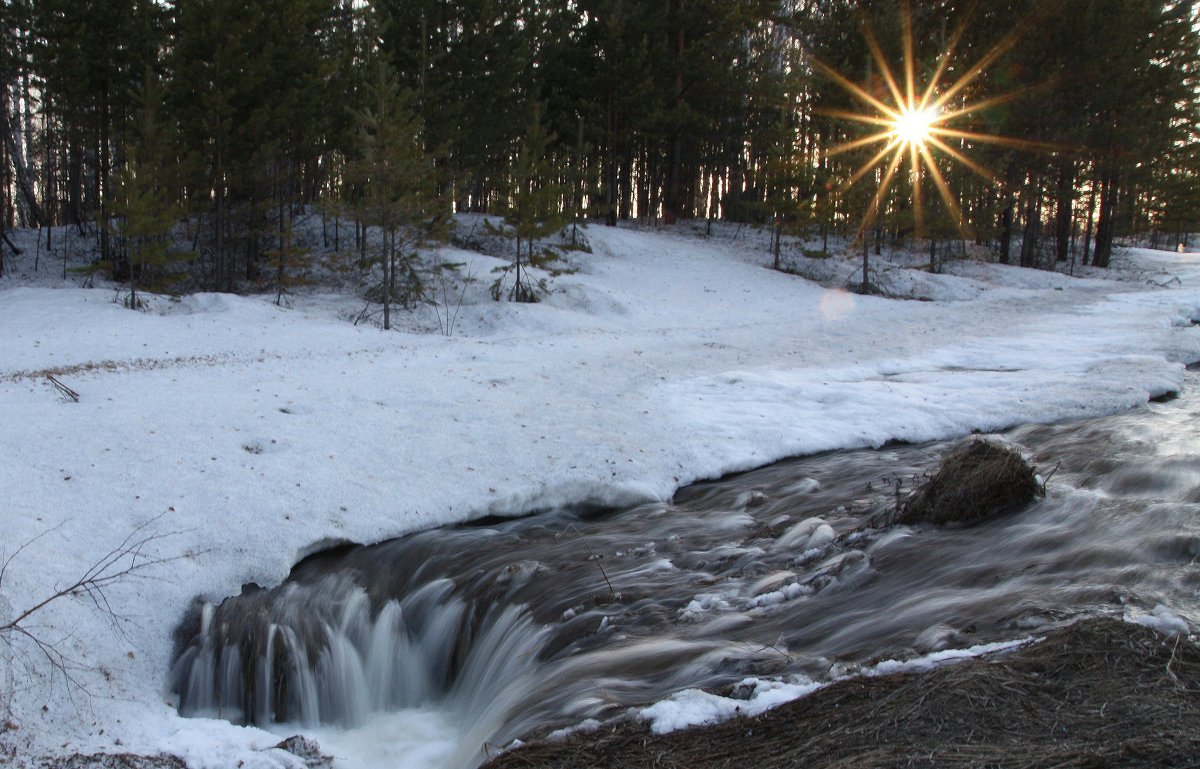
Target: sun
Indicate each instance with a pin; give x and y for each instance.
(915, 121)
(915, 125)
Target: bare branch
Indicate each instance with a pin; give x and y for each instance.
(8, 560)
(131, 558)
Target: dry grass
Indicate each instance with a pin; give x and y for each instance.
(1100, 693)
(119, 366)
(981, 480)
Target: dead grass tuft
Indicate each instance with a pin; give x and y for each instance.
(979, 481)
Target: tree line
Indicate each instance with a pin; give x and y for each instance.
(224, 120)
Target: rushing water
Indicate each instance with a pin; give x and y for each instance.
(418, 651)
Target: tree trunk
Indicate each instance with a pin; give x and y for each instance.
(866, 262)
(1033, 221)
(219, 219)
(24, 183)
(777, 237)
(1106, 226)
(1065, 218)
(625, 183)
(673, 204)
(1091, 221)
(101, 177)
(388, 245)
(1006, 218)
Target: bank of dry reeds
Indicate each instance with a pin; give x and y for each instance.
(1099, 693)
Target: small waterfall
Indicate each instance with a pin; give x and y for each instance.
(320, 653)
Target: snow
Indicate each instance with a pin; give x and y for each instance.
(243, 436)
(1164, 620)
(695, 707)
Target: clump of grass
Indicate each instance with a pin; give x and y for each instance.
(982, 480)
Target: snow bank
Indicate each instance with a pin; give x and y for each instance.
(1164, 620)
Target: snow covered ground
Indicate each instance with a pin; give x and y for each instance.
(241, 436)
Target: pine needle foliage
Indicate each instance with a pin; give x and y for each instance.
(143, 208)
(534, 211)
(396, 180)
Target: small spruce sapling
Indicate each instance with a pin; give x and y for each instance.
(143, 209)
(584, 183)
(397, 181)
(534, 210)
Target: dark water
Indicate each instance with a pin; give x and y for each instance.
(513, 628)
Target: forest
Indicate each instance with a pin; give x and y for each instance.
(185, 137)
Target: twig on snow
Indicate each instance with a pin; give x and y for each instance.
(62, 388)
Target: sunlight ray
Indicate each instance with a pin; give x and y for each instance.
(935, 173)
(881, 60)
(915, 176)
(884, 185)
(994, 101)
(944, 59)
(1003, 141)
(988, 59)
(869, 165)
(857, 116)
(852, 88)
(966, 161)
(855, 144)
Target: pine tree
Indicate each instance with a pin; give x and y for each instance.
(87, 59)
(255, 90)
(534, 210)
(583, 183)
(397, 182)
(143, 209)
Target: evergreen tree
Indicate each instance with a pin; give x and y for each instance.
(252, 89)
(582, 184)
(675, 108)
(89, 57)
(467, 63)
(143, 210)
(534, 210)
(397, 182)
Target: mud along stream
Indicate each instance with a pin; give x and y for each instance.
(429, 651)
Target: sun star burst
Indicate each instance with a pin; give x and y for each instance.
(915, 125)
(915, 122)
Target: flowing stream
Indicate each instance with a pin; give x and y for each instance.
(433, 649)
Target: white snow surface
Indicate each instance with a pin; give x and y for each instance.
(244, 436)
(1164, 619)
(696, 707)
